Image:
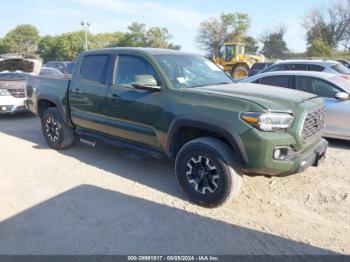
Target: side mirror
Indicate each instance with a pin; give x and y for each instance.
(342, 96)
(145, 82)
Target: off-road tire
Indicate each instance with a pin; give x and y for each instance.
(238, 69)
(222, 158)
(57, 134)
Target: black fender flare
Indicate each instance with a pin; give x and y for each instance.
(212, 126)
(59, 107)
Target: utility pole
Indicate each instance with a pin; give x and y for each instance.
(85, 26)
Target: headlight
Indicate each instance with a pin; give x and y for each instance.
(4, 92)
(269, 121)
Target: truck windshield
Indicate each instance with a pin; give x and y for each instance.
(187, 71)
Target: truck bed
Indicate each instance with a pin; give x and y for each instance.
(47, 86)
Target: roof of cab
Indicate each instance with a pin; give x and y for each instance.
(144, 50)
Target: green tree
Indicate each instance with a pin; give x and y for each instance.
(330, 25)
(66, 46)
(3, 47)
(319, 48)
(135, 36)
(22, 39)
(158, 37)
(48, 48)
(104, 40)
(227, 27)
(251, 44)
(138, 36)
(71, 44)
(316, 27)
(274, 45)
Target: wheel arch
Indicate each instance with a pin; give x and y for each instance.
(45, 102)
(183, 130)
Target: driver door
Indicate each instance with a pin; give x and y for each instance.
(135, 115)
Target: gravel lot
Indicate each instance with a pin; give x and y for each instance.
(106, 200)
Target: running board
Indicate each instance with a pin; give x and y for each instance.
(86, 141)
(90, 138)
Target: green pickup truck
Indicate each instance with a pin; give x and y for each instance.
(181, 105)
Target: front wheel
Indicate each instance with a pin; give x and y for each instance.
(240, 72)
(57, 134)
(208, 172)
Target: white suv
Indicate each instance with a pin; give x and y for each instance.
(328, 66)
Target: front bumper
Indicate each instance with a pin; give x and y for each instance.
(260, 146)
(10, 105)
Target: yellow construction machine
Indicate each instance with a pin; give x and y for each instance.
(234, 60)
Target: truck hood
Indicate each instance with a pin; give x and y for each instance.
(269, 97)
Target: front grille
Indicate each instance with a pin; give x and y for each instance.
(14, 87)
(314, 123)
(18, 93)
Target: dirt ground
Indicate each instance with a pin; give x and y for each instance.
(106, 200)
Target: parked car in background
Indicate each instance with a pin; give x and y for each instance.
(15, 69)
(66, 67)
(12, 92)
(345, 62)
(183, 106)
(48, 71)
(328, 66)
(258, 67)
(334, 90)
(20, 63)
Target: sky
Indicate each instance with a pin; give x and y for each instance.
(181, 17)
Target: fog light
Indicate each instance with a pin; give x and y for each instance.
(280, 153)
(3, 108)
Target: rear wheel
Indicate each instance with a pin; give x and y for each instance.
(207, 172)
(240, 72)
(57, 134)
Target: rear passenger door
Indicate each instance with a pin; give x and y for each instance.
(88, 92)
(316, 86)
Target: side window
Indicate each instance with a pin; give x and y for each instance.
(281, 81)
(94, 68)
(130, 66)
(316, 86)
(274, 68)
(298, 67)
(315, 68)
